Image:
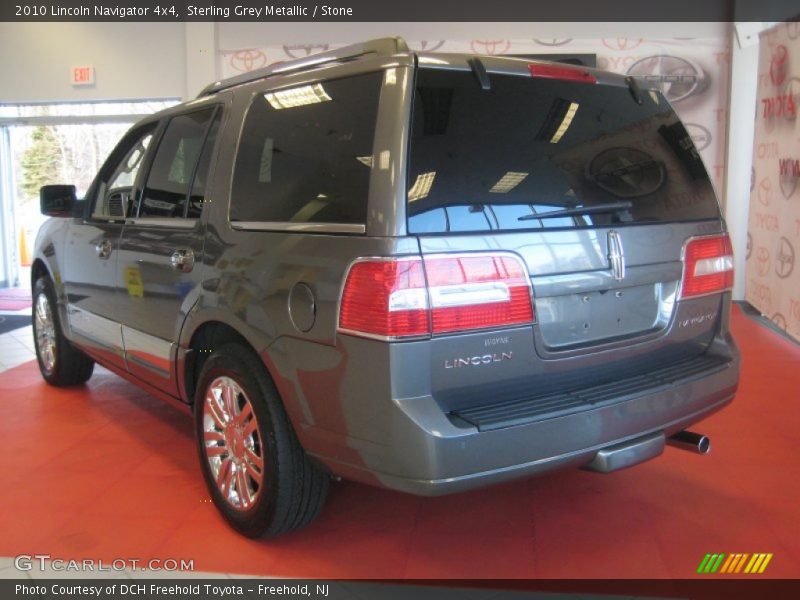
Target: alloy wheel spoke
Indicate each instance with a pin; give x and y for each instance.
(213, 436)
(214, 409)
(249, 428)
(229, 399)
(225, 477)
(245, 498)
(252, 458)
(243, 416)
(232, 442)
(254, 471)
(212, 451)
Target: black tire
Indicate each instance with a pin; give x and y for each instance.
(71, 366)
(293, 490)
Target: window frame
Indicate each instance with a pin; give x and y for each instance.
(177, 222)
(137, 132)
(337, 72)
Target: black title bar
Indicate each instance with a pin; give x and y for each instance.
(400, 10)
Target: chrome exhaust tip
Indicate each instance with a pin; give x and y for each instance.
(691, 441)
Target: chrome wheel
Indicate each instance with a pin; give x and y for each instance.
(45, 331)
(232, 443)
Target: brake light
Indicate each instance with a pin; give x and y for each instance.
(708, 266)
(559, 72)
(412, 297)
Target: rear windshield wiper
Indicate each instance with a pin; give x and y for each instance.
(579, 210)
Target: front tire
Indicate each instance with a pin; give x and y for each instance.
(60, 363)
(258, 475)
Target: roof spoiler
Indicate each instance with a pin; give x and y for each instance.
(379, 47)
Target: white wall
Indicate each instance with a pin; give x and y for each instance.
(246, 35)
(156, 60)
(131, 60)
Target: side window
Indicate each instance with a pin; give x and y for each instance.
(305, 155)
(166, 193)
(116, 188)
(198, 192)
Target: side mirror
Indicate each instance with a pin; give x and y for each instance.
(57, 200)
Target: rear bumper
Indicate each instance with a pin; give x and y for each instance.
(428, 454)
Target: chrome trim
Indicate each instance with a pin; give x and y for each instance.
(690, 440)
(299, 227)
(616, 255)
(182, 260)
(174, 223)
(102, 331)
(148, 351)
(626, 454)
(44, 331)
(146, 365)
(232, 443)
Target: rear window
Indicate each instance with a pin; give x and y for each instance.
(306, 153)
(499, 159)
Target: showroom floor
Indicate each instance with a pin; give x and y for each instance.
(106, 471)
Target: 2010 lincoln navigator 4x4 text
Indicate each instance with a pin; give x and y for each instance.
(426, 272)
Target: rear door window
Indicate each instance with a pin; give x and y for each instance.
(305, 154)
(170, 190)
(502, 159)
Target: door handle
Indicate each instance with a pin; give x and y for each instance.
(182, 260)
(103, 248)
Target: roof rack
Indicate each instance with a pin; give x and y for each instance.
(379, 47)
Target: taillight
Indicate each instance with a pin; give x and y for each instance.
(386, 298)
(559, 72)
(412, 297)
(708, 266)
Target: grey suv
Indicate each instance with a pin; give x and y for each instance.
(426, 272)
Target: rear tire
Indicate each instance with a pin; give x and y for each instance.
(60, 363)
(259, 476)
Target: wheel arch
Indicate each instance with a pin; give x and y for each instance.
(201, 340)
(39, 269)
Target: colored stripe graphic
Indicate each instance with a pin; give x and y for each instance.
(736, 562)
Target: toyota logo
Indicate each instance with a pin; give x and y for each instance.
(779, 321)
(622, 44)
(552, 42)
(428, 46)
(762, 260)
(248, 60)
(490, 46)
(677, 78)
(778, 65)
(784, 258)
(791, 91)
(303, 50)
(788, 185)
(765, 191)
(626, 172)
(699, 134)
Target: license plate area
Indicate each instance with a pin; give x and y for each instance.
(592, 317)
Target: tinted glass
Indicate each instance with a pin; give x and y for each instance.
(167, 188)
(306, 153)
(482, 159)
(116, 186)
(198, 193)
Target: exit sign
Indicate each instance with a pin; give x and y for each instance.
(82, 75)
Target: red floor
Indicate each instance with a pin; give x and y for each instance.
(106, 471)
(15, 298)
